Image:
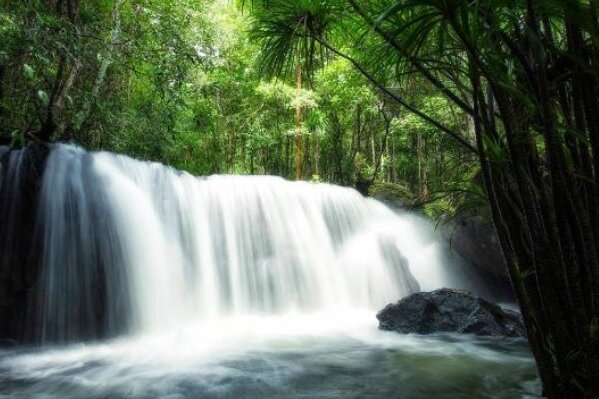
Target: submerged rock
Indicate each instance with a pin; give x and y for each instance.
(449, 310)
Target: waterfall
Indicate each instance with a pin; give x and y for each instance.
(132, 247)
(131, 279)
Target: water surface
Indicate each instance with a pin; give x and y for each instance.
(317, 356)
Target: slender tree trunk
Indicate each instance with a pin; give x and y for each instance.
(358, 140)
(422, 168)
(316, 150)
(307, 164)
(392, 161)
(378, 161)
(85, 112)
(288, 156)
(298, 131)
(54, 122)
(373, 146)
(338, 149)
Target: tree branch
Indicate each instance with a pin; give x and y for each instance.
(83, 115)
(418, 65)
(399, 99)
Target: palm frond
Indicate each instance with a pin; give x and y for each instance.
(289, 34)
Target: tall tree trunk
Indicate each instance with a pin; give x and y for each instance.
(378, 161)
(422, 168)
(316, 150)
(288, 167)
(358, 141)
(298, 131)
(83, 115)
(373, 146)
(393, 175)
(307, 163)
(54, 122)
(338, 149)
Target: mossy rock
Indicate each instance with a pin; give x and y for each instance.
(392, 194)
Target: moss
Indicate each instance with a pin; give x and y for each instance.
(393, 193)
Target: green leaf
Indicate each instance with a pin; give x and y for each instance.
(17, 138)
(43, 97)
(28, 71)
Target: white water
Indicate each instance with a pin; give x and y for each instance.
(290, 356)
(173, 249)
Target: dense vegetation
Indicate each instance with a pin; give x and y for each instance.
(183, 83)
(455, 100)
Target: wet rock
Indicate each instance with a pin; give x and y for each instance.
(449, 310)
(393, 195)
(476, 240)
(20, 180)
(473, 239)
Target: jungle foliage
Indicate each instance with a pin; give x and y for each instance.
(184, 83)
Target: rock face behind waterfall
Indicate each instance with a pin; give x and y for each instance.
(20, 181)
(448, 310)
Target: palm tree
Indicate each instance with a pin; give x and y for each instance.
(526, 74)
(288, 34)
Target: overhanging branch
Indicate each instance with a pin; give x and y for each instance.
(460, 140)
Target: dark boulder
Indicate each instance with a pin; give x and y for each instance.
(449, 310)
(473, 243)
(476, 241)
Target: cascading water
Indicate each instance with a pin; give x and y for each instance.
(250, 279)
(141, 245)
